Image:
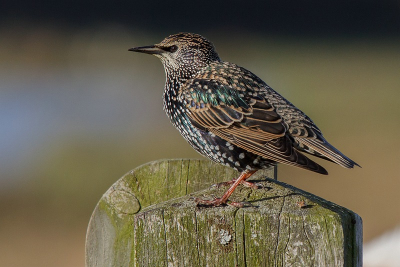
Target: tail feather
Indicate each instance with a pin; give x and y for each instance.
(321, 148)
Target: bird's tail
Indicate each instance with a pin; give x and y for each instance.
(322, 149)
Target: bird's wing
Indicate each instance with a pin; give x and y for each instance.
(306, 135)
(237, 110)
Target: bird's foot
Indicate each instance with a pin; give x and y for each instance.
(223, 200)
(212, 203)
(220, 201)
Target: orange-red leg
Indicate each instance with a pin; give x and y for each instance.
(219, 201)
(245, 183)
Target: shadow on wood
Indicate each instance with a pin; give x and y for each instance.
(149, 218)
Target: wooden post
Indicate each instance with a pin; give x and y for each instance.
(149, 218)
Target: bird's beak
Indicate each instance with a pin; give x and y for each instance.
(151, 49)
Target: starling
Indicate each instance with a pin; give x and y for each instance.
(231, 116)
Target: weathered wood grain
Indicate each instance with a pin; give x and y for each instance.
(149, 218)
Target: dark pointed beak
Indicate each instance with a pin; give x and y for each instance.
(151, 49)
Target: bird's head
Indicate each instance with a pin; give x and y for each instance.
(185, 53)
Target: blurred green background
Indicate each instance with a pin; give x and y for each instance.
(77, 110)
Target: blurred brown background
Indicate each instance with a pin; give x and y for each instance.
(77, 110)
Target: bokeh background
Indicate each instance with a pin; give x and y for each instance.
(77, 110)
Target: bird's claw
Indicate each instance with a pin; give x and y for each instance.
(218, 202)
(212, 203)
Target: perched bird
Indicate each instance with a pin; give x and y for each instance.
(231, 116)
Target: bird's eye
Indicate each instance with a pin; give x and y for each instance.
(172, 49)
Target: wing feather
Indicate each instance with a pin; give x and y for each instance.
(249, 114)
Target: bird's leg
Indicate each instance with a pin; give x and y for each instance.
(245, 183)
(219, 201)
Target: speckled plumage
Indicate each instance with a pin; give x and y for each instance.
(231, 116)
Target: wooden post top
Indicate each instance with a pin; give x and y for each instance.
(149, 218)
